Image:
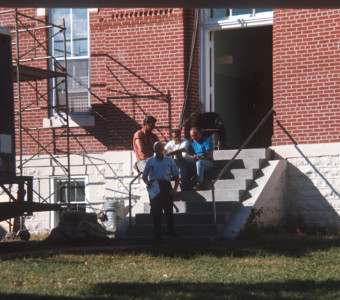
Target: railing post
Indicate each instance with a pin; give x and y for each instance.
(214, 203)
(130, 194)
(226, 167)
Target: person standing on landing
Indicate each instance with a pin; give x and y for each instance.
(143, 141)
(202, 151)
(161, 168)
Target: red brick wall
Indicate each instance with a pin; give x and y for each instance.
(306, 74)
(193, 98)
(152, 43)
(32, 115)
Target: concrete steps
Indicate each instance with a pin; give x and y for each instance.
(182, 229)
(186, 218)
(220, 195)
(194, 220)
(198, 207)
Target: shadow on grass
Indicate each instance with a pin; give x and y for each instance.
(180, 290)
(290, 247)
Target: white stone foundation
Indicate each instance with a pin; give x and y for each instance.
(312, 191)
(313, 185)
(108, 176)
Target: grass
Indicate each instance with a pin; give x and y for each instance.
(263, 268)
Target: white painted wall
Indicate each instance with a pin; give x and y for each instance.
(313, 185)
(109, 175)
(266, 194)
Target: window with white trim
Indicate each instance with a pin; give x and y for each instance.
(77, 192)
(77, 58)
(222, 18)
(221, 13)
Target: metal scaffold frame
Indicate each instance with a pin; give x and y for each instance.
(24, 71)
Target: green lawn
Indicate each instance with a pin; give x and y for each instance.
(263, 268)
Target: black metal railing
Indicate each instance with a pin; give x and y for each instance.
(229, 163)
(130, 195)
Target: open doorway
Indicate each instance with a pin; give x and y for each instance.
(243, 90)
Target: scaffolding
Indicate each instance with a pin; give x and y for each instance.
(33, 62)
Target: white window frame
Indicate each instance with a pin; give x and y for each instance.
(54, 199)
(207, 27)
(76, 119)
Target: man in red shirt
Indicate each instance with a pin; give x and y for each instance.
(143, 141)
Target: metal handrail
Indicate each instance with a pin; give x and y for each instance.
(191, 62)
(229, 163)
(130, 204)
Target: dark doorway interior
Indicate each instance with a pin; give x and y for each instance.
(243, 83)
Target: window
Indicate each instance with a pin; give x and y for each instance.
(77, 193)
(221, 13)
(77, 59)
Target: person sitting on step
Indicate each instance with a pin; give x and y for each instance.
(177, 147)
(201, 149)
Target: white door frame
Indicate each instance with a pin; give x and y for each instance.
(207, 59)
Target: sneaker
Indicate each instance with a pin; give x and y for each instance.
(198, 186)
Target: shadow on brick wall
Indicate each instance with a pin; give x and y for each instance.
(114, 128)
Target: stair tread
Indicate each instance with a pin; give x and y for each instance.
(176, 225)
(228, 190)
(190, 213)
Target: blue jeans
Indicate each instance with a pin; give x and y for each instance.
(198, 166)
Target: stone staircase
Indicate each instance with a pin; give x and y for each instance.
(194, 219)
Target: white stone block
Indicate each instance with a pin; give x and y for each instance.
(59, 171)
(60, 160)
(308, 150)
(78, 170)
(97, 193)
(125, 157)
(96, 174)
(94, 159)
(77, 160)
(45, 172)
(36, 162)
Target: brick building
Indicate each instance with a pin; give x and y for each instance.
(126, 63)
